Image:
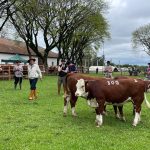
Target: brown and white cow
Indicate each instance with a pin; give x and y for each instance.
(115, 92)
(71, 81)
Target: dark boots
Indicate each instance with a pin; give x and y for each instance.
(15, 86)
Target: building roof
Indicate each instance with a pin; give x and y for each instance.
(8, 46)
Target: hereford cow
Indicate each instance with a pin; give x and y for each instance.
(115, 92)
(69, 96)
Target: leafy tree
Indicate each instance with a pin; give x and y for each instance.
(141, 37)
(6, 10)
(69, 25)
(87, 28)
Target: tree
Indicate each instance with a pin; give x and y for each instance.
(141, 37)
(87, 28)
(5, 13)
(65, 24)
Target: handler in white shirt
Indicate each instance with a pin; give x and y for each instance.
(34, 73)
(108, 70)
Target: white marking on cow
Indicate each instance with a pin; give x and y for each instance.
(66, 106)
(88, 102)
(117, 82)
(136, 119)
(118, 116)
(108, 82)
(135, 80)
(73, 111)
(140, 117)
(81, 88)
(65, 109)
(113, 82)
(99, 120)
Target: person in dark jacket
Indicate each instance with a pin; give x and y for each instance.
(71, 67)
(62, 72)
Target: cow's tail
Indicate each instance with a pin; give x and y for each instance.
(146, 101)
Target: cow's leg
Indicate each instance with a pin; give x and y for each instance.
(66, 101)
(121, 113)
(99, 113)
(133, 109)
(116, 112)
(73, 103)
(105, 111)
(137, 117)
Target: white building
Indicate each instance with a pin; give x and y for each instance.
(9, 48)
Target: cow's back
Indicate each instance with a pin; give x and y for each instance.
(116, 90)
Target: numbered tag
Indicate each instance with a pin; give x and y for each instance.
(113, 82)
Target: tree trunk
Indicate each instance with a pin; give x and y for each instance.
(45, 62)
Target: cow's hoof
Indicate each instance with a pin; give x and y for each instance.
(74, 115)
(123, 119)
(64, 114)
(105, 113)
(118, 116)
(134, 125)
(98, 124)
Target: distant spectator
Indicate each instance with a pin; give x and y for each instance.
(18, 74)
(62, 72)
(71, 67)
(148, 71)
(135, 71)
(97, 70)
(108, 70)
(130, 71)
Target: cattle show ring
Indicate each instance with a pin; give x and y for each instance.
(74, 74)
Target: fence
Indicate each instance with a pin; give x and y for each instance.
(6, 72)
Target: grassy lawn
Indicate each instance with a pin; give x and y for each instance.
(40, 125)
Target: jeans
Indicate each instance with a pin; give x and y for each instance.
(33, 83)
(18, 79)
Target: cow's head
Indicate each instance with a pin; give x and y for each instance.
(81, 88)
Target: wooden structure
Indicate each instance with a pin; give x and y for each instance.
(7, 71)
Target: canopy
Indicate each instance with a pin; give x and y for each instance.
(14, 59)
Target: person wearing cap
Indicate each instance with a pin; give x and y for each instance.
(108, 70)
(18, 74)
(34, 73)
(148, 72)
(62, 72)
(71, 67)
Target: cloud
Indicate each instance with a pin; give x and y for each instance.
(124, 17)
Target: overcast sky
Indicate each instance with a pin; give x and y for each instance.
(124, 17)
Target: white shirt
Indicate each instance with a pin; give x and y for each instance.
(18, 70)
(34, 71)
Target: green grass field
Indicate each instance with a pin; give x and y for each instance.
(40, 125)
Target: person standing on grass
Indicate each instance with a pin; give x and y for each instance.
(108, 70)
(62, 72)
(34, 73)
(148, 72)
(18, 74)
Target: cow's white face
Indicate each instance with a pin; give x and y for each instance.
(81, 89)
